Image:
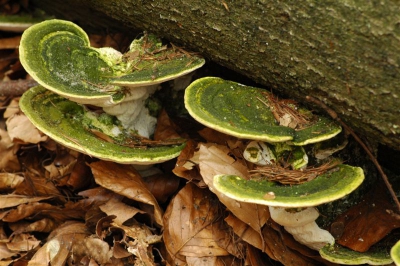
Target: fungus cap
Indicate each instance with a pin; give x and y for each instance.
(327, 187)
(344, 256)
(242, 111)
(61, 120)
(57, 54)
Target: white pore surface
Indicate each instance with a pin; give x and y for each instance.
(311, 235)
(132, 112)
(302, 226)
(285, 218)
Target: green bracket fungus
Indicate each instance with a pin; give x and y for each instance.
(395, 253)
(327, 187)
(57, 54)
(278, 130)
(344, 256)
(62, 120)
(246, 112)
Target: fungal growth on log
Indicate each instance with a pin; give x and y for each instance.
(94, 99)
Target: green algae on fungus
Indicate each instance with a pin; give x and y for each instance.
(344, 256)
(325, 188)
(242, 111)
(62, 120)
(57, 54)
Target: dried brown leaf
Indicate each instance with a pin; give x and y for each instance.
(162, 186)
(369, 221)
(141, 243)
(189, 222)
(21, 130)
(214, 160)
(126, 181)
(8, 153)
(23, 243)
(38, 210)
(71, 239)
(165, 128)
(9, 181)
(120, 210)
(186, 165)
(5, 252)
(12, 200)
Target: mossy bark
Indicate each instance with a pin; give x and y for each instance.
(345, 53)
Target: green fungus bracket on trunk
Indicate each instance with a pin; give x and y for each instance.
(327, 187)
(61, 120)
(395, 253)
(57, 54)
(241, 111)
(344, 256)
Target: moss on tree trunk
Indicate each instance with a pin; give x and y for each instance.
(345, 53)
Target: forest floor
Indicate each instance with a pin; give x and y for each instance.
(59, 206)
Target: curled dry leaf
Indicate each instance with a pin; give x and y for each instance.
(214, 160)
(9, 181)
(12, 200)
(39, 210)
(139, 241)
(21, 130)
(126, 181)
(186, 165)
(17, 244)
(189, 222)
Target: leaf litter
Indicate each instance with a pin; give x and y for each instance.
(60, 207)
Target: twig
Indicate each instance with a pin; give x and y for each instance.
(335, 116)
(16, 87)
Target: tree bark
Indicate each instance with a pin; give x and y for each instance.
(345, 53)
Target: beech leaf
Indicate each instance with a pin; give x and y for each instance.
(214, 160)
(126, 181)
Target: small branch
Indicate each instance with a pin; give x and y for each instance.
(334, 116)
(16, 87)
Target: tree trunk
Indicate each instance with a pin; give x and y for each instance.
(345, 53)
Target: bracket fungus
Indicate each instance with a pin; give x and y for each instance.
(344, 256)
(278, 130)
(395, 253)
(86, 90)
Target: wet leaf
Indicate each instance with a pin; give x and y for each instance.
(126, 181)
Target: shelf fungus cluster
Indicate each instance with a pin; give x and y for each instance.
(282, 141)
(94, 100)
